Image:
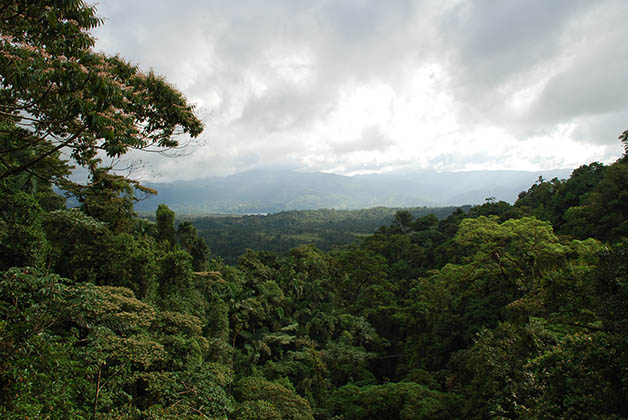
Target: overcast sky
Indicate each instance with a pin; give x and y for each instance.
(349, 86)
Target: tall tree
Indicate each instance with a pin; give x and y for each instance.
(166, 234)
(57, 93)
(624, 139)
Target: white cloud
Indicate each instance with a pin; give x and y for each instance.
(361, 86)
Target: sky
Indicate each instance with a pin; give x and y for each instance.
(357, 86)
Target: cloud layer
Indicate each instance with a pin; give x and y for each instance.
(359, 86)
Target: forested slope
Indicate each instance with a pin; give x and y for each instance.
(230, 236)
(274, 191)
(501, 311)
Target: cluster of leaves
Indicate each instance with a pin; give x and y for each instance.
(591, 203)
(58, 93)
(76, 340)
(77, 350)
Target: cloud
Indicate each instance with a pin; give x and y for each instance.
(589, 87)
(493, 43)
(530, 66)
(370, 139)
(343, 85)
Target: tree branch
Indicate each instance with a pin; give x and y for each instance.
(23, 167)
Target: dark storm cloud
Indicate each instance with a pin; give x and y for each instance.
(498, 48)
(592, 89)
(494, 41)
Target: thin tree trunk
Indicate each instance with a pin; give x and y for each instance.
(97, 392)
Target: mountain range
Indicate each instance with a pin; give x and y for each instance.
(270, 191)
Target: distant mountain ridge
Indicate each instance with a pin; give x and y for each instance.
(270, 191)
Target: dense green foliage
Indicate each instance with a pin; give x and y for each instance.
(497, 311)
(230, 236)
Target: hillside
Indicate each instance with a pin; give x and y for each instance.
(272, 191)
(229, 236)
